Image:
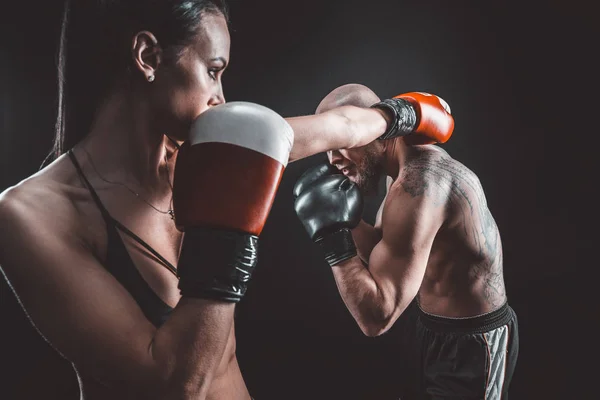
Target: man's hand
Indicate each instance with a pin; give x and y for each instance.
(329, 205)
(424, 117)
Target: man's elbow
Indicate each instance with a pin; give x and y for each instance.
(376, 324)
(373, 330)
(378, 320)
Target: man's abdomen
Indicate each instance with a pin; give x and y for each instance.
(455, 284)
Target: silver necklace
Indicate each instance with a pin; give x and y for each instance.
(169, 212)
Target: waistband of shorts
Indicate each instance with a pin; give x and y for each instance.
(477, 324)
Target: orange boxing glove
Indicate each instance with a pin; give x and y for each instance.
(422, 118)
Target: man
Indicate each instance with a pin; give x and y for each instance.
(434, 241)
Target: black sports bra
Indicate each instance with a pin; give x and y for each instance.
(120, 264)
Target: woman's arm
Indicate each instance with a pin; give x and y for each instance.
(84, 312)
(340, 128)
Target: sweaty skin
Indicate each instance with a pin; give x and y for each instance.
(464, 270)
(434, 238)
(85, 314)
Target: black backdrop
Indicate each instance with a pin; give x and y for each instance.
(520, 79)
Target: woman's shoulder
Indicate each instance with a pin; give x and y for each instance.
(44, 198)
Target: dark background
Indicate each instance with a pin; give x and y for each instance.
(520, 79)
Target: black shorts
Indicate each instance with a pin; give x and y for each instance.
(460, 358)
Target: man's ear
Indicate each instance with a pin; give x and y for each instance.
(146, 54)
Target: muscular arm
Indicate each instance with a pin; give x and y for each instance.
(94, 322)
(366, 236)
(340, 128)
(378, 295)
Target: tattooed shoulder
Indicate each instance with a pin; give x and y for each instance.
(425, 172)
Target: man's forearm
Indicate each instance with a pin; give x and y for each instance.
(341, 128)
(362, 295)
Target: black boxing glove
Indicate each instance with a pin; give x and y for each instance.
(313, 174)
(329, 205)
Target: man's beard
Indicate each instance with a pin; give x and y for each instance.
(368, 173)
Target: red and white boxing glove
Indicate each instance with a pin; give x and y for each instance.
(422, 117)
(226, 178)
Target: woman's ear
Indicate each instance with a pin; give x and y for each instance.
(146, 54)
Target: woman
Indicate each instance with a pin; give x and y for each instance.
(89, 243)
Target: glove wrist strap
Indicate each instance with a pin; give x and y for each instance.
(404, 117)
(216, 264)
(337, 246)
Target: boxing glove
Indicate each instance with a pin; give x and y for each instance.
(313, 174)
(329, 205)
(225, 181)
(422, 117)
